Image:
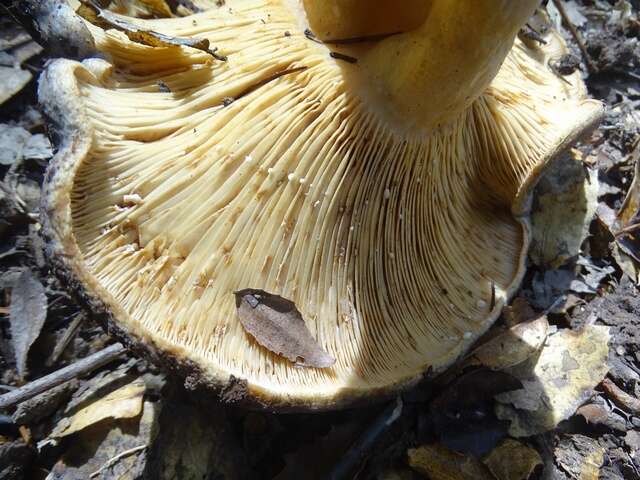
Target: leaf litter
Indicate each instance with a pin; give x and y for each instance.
(512, 346)
(513, 460)
(569, 367)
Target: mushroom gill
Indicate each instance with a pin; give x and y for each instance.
(399, 230)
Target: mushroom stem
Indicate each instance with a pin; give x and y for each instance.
(427, 76)
(338, 19)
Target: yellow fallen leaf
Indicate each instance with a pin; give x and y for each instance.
(592, 464)
(569, 367)
(512, 460)
(125, 402)
(440, 463)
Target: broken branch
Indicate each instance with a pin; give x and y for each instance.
(58, 377)
(575, 34)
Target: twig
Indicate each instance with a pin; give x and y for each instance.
(342, 56)
(631, 74)
(311, 36)
(112, 461)
(229, 100)
(621, 398)
(58, 377)
(361, 447)
(68, 335)
(575, 34)
(627, 230)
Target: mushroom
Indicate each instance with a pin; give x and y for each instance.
(376, 172)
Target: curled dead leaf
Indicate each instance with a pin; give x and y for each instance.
(277, 325)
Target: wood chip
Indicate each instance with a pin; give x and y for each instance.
(621, 398)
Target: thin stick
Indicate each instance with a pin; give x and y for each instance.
(58, 377)
(621, 398)
(362, 447)
(262, 83)
(112, 461)
(575, 34)
(342, 56)
(631, 74)
(68, 335)
(627, 230)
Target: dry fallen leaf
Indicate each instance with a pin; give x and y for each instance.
(27, 314)
(513, 346)
(125, 402)
(12, 80)
(580, 456)
(512, 460)
(112, 450)
(567, 198)
(276, 324)
(519, 311)
(440, 463)
(630, 210)
(17, 144)
(627, 225)
(570, 366)
(91, 12)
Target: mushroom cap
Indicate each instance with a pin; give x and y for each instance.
(399, 246)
